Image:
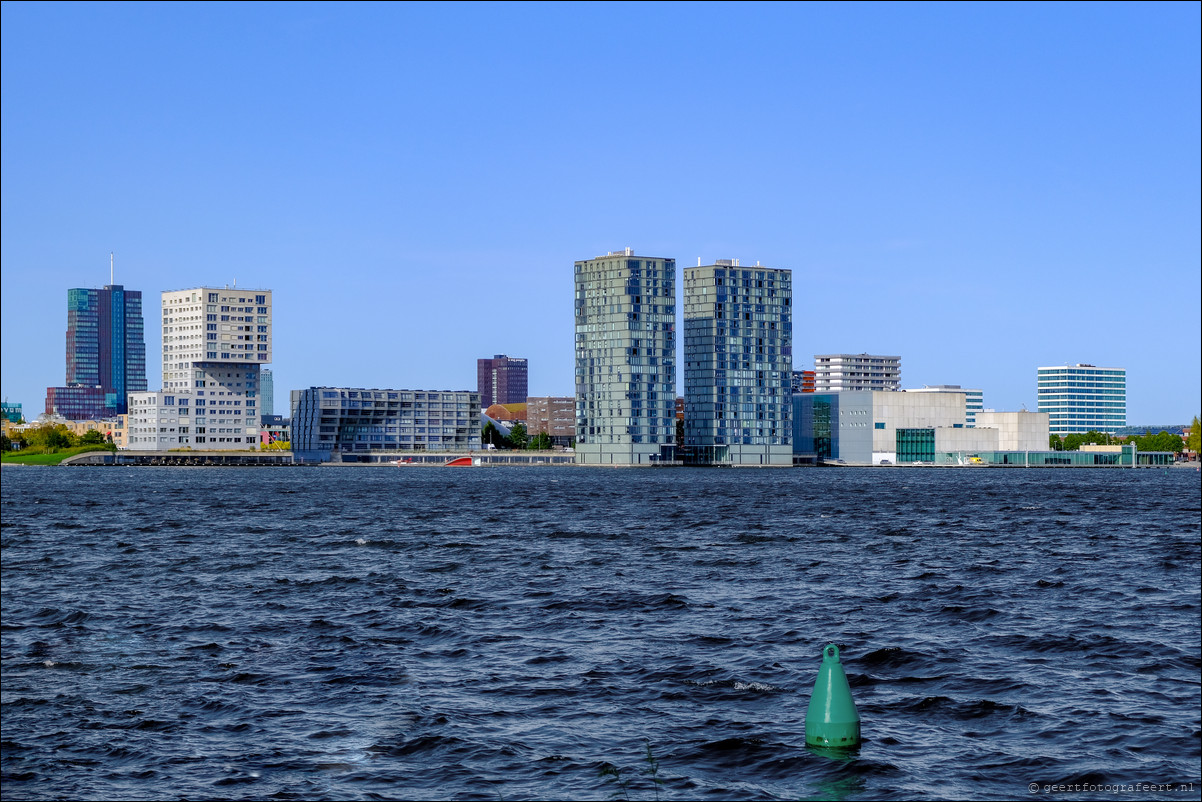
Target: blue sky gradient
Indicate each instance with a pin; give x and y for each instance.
(981, 188)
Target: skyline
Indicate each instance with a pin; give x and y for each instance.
(980, 190)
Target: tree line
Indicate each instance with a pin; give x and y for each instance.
(1161, 441)
(51, 439)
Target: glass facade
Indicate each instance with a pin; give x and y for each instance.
(915, 445)
(738, 352)
(342, 424)
(1127, 457)
(105, 355)
(1082, 398)
(625, 320)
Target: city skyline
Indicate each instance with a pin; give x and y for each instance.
(980, 190)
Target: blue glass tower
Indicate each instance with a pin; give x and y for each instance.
(106, 353)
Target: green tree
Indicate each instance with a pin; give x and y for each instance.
(1161, 441)
(1055, 443)
(48, 438)
(540, 442)
(91, 438)
(491, 436)
(5, 443)
(518, 437)
(1195, 436)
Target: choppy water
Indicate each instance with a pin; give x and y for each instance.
(508, 633)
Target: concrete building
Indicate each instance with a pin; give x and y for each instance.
(343, 424)
(887, 428)
(215, 341)
(106, 353)
(974, 400)
(835, 373)
(1081, 398)
(738, 354)
(1018, 431)
(502, 380)
(625, 315)
(555, 415)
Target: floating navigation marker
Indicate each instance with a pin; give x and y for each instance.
(832, 720)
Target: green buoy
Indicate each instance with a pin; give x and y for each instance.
(831, 719)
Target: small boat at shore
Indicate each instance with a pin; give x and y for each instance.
(463, 462)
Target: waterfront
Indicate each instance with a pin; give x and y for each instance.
(506, 633)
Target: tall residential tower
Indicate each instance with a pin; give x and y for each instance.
(738, 355)
(625, 359)
(106, 354)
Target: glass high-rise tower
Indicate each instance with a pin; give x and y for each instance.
(625, 359)
(106, 354)
(738, 364)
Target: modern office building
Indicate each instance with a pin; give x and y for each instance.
(625, 313)
(106, 353)
(888, 428)
(343, 424)
(835, 373)
(266, 393)
(11, 411)
(974, 400)
(1081, 398)
(215, 341)
(738, 359)
(555, 415)
(502, 380)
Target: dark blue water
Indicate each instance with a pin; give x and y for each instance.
(430, 633)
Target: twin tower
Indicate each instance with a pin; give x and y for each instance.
(738, 361)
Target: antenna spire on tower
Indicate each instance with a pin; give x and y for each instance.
(110, 268)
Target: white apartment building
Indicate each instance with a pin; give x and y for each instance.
(215, 340)
(836, 373)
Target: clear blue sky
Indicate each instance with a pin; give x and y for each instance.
(981, 189)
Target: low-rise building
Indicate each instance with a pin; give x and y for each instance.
(888, 428)
(217, 417)
(345, 424)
